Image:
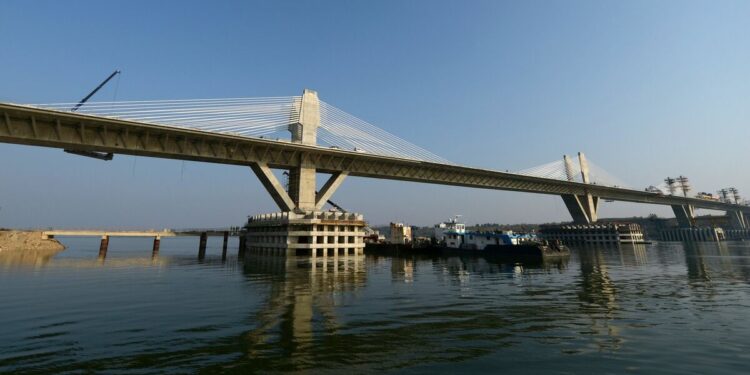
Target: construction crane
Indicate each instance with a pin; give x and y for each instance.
(93, 154)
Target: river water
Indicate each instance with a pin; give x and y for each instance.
(668, 308)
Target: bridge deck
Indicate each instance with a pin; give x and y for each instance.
(106, 233)
(73, 131)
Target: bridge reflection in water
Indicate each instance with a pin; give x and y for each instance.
(301, 304)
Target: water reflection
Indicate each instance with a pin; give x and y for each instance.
(174, 313)
(598, 292)
(26, 258)
(300, 309)
(707, 261)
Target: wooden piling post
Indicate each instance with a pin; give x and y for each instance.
(224, 247)
(202, 246)
(155, 250)
(103, 247)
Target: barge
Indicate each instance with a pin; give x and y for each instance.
(452, 238)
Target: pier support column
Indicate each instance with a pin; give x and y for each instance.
(305, 131)
(155, 249)
(224, 246)
(103, 247)
(328, 189)
(202, 245)
(685, 215)
(737, 219)
(273, 186)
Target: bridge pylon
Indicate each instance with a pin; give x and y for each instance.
(300, 195)
(583, 208)
(302, 228)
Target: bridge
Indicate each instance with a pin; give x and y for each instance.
(255, 132)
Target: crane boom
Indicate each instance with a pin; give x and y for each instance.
(93, 154)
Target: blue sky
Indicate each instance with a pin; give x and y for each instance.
(646, 89)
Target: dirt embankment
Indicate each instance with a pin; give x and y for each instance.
(13, 240)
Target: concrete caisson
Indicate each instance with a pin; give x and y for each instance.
(314, 234)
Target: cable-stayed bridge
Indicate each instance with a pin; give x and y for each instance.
(256, 132)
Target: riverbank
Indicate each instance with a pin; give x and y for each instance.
(14, 240)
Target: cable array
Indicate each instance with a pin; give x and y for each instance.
(556, 170)
(252, 117)
(258, 117)
(342, 130)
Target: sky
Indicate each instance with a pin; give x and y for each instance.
(646, 89)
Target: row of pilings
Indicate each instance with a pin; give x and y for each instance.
(104, 246)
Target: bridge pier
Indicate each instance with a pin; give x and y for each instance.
(685, 215)
(155, 248)
(202, 245)
(224, 246)
(103, 245)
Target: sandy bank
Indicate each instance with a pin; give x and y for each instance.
(13, 240)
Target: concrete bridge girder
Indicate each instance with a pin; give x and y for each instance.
(73, 131)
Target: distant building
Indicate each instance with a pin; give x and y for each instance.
(400, 234)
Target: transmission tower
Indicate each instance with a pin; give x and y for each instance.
(684, 185)
(724, 195)
(735, 195)
(670, 185)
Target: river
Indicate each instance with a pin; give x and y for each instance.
(666, 308)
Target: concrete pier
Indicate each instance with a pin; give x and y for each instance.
(103, 245)
(155, 249)
(311, 234)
